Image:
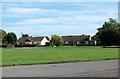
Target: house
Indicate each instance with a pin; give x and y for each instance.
(33, 40)
(78, 40)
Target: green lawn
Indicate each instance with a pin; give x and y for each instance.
(75, 47)
(46, 56)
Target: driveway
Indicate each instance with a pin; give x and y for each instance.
(107, 68)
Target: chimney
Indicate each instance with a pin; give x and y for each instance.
(83, 35)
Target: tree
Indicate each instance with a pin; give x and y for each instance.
(51, 44)
(11, 38)
(57, 40)
(25, 35)
(2, 35)
(95, 37)
(109, 33)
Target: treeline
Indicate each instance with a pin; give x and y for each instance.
(7, 38)
(11, 39)
(108, 34)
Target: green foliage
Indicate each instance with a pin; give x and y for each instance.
(52, 44)
(57, 40)
(2, 35)
(10, 46)
(11, 38)
(95, 37)
(25, 35)
(109, 33)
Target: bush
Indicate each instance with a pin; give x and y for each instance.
(52, 44)
(10, 46)
(3, 45)
(57, 40)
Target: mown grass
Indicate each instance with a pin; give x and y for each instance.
(12, 57)
(81, 46)
(75, 47)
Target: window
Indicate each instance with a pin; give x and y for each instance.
(66, 42)
(77, 42)
(82, 42)
(70, 42)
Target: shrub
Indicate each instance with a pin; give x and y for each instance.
(51, 44)
(10, 46)
(57, 40)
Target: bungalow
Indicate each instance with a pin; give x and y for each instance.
(33, 40)
(78, 40)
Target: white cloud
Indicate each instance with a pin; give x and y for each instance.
(37, 21)
(73, 20)
(35, 12)
(55, 11)
(29, 10)
(38, 30)
(92, 18)
(41, 11)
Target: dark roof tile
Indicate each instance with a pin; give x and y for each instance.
(33, 39)
(76, 38)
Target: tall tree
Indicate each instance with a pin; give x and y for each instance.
(2, 35)
(109, 33)
(57, 40)
(11, 38)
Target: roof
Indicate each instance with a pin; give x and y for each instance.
(76, 38)
(33, 39)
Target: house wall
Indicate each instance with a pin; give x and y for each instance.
(68, 42)
(78, 43)
(92, 42)
(37, 42)
(83, 43)
(28, 42)
(18, 43)
(43, 42)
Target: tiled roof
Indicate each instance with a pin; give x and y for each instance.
(32, 39)
(76, 38)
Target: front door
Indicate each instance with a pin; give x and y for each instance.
(74, 43)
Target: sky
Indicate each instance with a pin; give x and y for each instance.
(60, 18)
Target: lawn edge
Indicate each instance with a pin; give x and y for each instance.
(58, 62)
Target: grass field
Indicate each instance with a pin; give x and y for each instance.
(83, 47)
(12, 57)
(75, 47)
